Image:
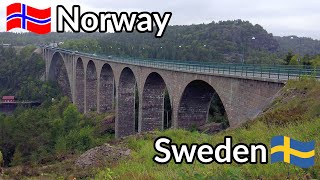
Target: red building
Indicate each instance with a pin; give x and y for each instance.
(7, 99)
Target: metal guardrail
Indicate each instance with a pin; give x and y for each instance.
(276, 72)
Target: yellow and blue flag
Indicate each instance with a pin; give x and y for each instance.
(285, 149)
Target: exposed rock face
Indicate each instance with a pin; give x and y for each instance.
(101, 155)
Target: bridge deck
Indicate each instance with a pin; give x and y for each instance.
(275, 73)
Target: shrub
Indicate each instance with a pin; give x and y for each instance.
(80, 140)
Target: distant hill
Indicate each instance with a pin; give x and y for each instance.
(298, 45)
(224, 41)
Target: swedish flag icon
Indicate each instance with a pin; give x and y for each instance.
(285, 149)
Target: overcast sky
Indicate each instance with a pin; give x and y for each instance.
(280, 17)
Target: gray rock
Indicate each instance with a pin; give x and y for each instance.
(101, 156)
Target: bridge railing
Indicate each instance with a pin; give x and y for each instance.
(264, 71)
(280, 72)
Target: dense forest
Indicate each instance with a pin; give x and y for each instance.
(303, 46)
(20, 75)
(225, 41)
(49, 133)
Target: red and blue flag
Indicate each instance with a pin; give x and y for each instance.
(28, 18)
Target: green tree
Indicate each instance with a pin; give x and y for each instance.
(295, 60)
(71, 117)
(315, 62)
(288, 57)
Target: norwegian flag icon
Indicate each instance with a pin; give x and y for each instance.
(26, 17)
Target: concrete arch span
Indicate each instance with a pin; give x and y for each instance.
(58, 73)
(193, 110)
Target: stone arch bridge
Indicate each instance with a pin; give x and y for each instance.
(103, 84)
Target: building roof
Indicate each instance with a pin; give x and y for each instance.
(8, 98)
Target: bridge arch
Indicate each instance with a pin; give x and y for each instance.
(126, 112)
(106, 89)
(79, 84)
(153, 103)
(194, 105)
(58, 73)
(91, 87)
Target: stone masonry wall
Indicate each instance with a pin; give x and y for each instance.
(79, 85)
(153, 103)
(126, 99)
(91, 87)
(106, 89)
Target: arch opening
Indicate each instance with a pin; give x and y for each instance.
(136, 110)
(156, 106)
(79, 85)
(217, 113)
(106, 89)
(167, 111)
(59, 75)
(126, 119)
(91, 87)
(200, 105)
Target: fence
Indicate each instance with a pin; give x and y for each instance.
(280, 72)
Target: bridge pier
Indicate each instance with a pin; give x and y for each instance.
(80, 85)
(125, 122)
(106, 89)
(91, 87)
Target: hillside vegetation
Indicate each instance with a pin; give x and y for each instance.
(20, 74)
(299, 45)
(296, 113)
(224, 41)
(49, 133)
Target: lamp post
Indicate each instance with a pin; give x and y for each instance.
(292, 38)
(163, 56)
(243, 47)
(253, 39)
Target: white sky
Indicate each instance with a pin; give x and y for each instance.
(280, 17)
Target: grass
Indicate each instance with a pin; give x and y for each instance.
(141, 165)
(295, 113)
